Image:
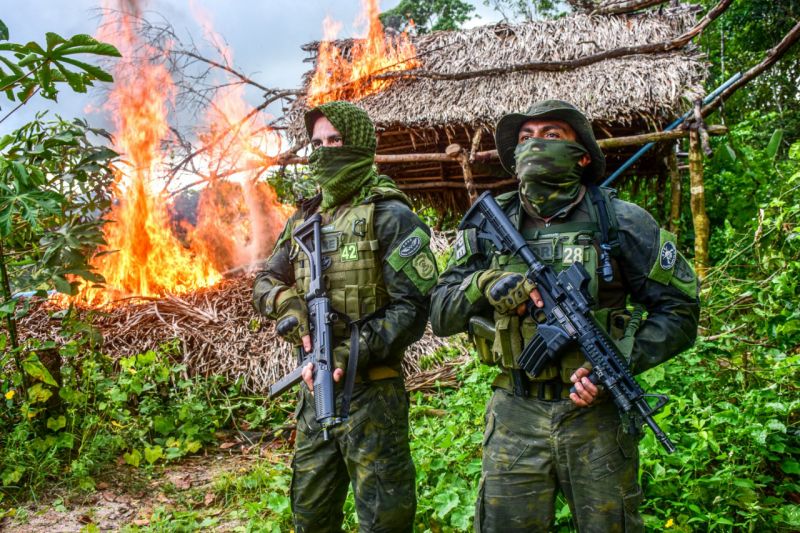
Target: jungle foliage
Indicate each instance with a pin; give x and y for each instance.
(70, 412)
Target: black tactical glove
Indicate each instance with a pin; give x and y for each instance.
(292, 323)
(506, 291)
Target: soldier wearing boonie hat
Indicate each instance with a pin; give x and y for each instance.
(540, 438)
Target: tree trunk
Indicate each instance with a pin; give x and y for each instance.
(675, 192)
(698, 205)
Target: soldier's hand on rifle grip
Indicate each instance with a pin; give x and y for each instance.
(537, 301)
(308, 372)
(585, 391)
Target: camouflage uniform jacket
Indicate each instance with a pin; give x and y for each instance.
(670, 301)
(392, 328)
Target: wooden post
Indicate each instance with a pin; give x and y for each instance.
(675, 192)
(698, 204)
(459, 154)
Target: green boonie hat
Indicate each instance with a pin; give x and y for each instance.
(507, 132)
(350, 121)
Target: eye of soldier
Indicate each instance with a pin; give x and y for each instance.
(316, 143)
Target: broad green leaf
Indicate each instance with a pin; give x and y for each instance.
(62, 285)
(163, 425)
(56, 423)
(34, 47)
(53, 39)
(74, 79)
(86, 44)
(791, 467)
(730, 152)
(133, 458)
(775, 142)
(34, 368)
(8, 307)
(38, 393)
(28, 59)
(12, 476)
(153, 454)
(96, 72)
(3, 31)
(12, 66)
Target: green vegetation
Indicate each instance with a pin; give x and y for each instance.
(71, 414)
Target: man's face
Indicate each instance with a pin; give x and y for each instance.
(556, 130)
(324, 134)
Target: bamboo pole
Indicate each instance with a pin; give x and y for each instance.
(675, 192)
(698, 204)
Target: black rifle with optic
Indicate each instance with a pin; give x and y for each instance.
(565, 320)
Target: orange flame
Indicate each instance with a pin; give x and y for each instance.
(144, 256)
(339, 77)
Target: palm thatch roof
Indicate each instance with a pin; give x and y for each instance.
(622, 96)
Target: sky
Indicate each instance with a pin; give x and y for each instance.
(264, 35)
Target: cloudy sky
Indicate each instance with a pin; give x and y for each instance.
(264, 35)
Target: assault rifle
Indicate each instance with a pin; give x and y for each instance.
(308, 237)
(566, 320)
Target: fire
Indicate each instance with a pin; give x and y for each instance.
(341, 76)
(144, 256)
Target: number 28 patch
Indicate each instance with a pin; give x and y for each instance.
(572, 254)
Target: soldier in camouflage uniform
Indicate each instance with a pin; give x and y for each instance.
(539, 438)
(378, 270)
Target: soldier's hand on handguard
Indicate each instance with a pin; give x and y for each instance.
(585, 391)
(308, 373)
(508, 292)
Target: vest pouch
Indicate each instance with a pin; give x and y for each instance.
(623, 330)
(482, 335)
(351, 305)
(528, 329)
(507, 340)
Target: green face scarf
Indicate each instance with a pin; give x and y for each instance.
(343, 171)
(549, 174)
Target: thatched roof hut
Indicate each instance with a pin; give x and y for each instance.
(622, 96)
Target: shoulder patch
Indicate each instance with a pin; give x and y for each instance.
(667, 255)
(414, 258)
(410, 246)
(671, 268)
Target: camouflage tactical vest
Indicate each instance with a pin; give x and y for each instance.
(560, 245)
(350, 264)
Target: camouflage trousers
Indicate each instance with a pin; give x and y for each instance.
(370, 451)
(532, 448)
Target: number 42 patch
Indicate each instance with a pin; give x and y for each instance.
(349, 252)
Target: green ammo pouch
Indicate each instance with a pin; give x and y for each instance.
(482, 333)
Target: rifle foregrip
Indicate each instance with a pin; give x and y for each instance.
(286, 382)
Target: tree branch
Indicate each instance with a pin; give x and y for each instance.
(772, 55)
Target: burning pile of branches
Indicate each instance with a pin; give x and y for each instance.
(219, 334)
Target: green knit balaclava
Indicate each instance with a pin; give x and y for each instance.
(549, 174)
(342, 171)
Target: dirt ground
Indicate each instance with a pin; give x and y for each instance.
(124, 496)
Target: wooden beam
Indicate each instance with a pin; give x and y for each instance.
(490, 155)
(440, 184)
